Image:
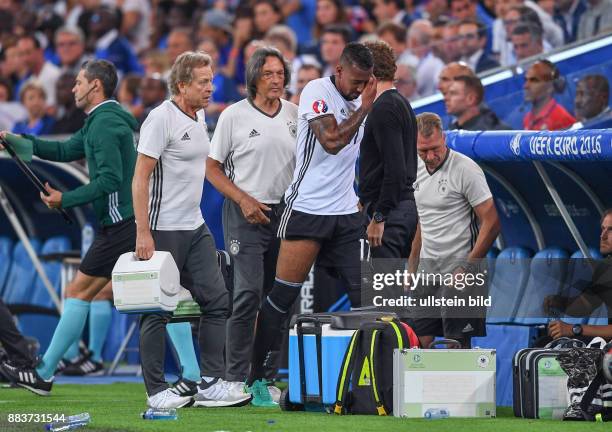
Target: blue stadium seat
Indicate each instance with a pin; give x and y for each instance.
(22, 275)
(6, 247)
(508, 283)
(546, 278)
(40, 295)
(34, 323)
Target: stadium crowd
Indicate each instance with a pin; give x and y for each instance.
(43, 44)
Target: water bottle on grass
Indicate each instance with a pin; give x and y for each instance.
(160, 414)
(71, 423)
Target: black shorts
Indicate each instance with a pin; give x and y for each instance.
(110, 242)
(450, 328)
(450, 322)
(341, 236)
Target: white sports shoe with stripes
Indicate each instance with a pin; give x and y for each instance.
(219, 393)
(168, 398)
(27, 378)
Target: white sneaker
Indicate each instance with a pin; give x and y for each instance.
(236, 388)
(168, 399)
(275, 392)
(220, 393)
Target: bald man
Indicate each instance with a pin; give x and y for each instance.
(450, 72)
(541, 84)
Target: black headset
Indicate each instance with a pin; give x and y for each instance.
(559, 82)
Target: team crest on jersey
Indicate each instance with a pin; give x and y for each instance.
(442, 186)
(234, 247)
(319, 106)
(292, 128)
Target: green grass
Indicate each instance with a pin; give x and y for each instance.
(116, 407)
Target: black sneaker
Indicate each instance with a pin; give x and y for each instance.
(185, 387)
(27, 378)
(85, 366)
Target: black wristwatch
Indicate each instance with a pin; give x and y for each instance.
(378, 217)
(577, 330)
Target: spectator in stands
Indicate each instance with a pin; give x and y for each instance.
(433, 9)
(216, 25)
(599, 292)
(136, 22)
(470, 9)
(333, 41)
(449, 73)
(591, 102)
(307, 72)
(567, 16)
(391, 10)
(542, 81)
(109, 44)
(596, 19)
(153, 91)
(429, 66)
(451, 192)
(395, 36)
(16, 346)
(551, 36)
(10, 111)
(128, 94)
(473, 36)
(405, 82)
(68, 118)
(266, 14)
(437, 44)
(329, 12)
(34, 98)
(464, 101)
(70, 48)
(45, 72)
(11, 65)
(450, 47)
(179, 41)
(155, 61)
(527, 41)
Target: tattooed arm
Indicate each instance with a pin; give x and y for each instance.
(333, 136)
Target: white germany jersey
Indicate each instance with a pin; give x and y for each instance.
(180, 143)
(323, 183)
(256, 149)
(445, 201)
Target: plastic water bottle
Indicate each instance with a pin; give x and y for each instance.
(160, 414)
(71, 423)
(436, 413)
(87, 237)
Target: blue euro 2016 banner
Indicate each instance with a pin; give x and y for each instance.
(577, 145)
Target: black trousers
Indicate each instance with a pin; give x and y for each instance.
(12, 340)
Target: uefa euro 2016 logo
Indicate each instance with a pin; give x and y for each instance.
(319, 106)
(515, 144)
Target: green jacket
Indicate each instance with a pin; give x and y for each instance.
(107, 142)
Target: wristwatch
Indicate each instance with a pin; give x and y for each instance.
(577, 330)
(378, 217)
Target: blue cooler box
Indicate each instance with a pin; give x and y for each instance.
(334, 331)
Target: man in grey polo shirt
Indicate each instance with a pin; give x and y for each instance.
(458, 223)
(251, 162)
